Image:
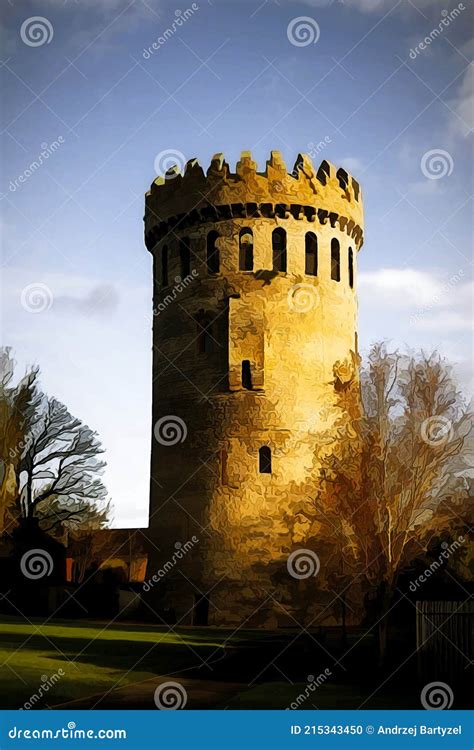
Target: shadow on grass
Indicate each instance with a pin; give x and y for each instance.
(272, 667)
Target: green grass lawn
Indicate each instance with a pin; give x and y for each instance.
(95, 657)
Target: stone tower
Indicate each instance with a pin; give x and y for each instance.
(254, 304)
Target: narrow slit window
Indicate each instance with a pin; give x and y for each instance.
(311, 254)
(279, 250)
(265, 460)
(164, 266)
(185, 255)
(351, 268)
(213, 257)
(205, 338)
(246, 250)
(246, 375)
(335, 260)
(224, 472)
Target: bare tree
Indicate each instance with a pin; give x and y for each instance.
(394, 477)
(60, 469)
(50, 466)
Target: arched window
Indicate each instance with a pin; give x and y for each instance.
(246, 250)
(279, 250)
(185, 256)
(164, 266)
(246, 375)
(351, 268)
(311, 254)
(265, 460)
(335, 260)
(213, 257)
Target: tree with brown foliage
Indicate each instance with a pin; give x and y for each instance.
(394, 476)
(18, 406)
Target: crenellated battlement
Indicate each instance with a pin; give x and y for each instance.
(328, 194)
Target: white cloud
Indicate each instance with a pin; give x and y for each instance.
(419, 309)
(352, 163)
(98, 300)
(462, 121)
(384, 6)
(368, 6)
(431, 300)
(398, 287)
(444, 322)
(426, 187)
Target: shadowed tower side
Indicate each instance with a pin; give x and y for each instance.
(254, 302)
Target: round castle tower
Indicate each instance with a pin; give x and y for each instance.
(254, 305)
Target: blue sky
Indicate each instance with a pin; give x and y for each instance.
(228, 78)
